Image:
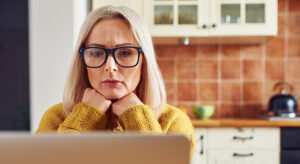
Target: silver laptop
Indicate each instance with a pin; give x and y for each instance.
(90, 148)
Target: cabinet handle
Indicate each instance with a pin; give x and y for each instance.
(242, 138)
(204, 26)
(243, 155)
(214, 25)
(202, 143)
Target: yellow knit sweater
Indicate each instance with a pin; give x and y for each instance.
(140, 118)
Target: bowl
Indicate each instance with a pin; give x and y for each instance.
(203, 112)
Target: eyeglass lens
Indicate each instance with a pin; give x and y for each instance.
(126, 56)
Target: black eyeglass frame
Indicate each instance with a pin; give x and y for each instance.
(108, 52)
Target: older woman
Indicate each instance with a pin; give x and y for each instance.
(114, 82)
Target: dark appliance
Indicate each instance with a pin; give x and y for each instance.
(290, 145)
(283, 104)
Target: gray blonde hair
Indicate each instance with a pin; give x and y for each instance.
(151, 88)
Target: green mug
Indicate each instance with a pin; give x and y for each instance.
(204, 112)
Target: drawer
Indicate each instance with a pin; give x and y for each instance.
(243, 157)
(244, 138)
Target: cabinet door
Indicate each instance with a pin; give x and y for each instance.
(243, 157)
(167, 18)
(200, 152)
(136, 5)
(244, 138)
(243, 17)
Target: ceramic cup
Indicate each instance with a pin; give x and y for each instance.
(204, 112)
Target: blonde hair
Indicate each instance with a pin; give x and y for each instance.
(151, 88)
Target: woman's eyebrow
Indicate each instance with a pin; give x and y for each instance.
(124, 44)
(117, 45)
(96, 45)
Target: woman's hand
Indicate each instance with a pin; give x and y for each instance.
(125, 103)
(94, 98)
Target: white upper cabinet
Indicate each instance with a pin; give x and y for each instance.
(169, 18)
(204, 21)
(192, 18)
(243, 17)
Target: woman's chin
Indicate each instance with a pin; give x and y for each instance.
(112, 95)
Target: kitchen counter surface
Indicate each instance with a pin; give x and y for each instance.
(244, 122)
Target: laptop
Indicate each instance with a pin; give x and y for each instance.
(92, 148)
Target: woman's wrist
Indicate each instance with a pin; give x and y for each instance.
(125, 103)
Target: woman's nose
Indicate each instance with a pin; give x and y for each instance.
(110, 65)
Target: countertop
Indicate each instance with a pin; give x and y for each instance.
(244, 122)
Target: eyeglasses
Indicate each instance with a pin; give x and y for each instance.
(95, 57)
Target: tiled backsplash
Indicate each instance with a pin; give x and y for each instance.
(237, 79)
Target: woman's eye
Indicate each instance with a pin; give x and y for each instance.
(96, 53)
(125, 52)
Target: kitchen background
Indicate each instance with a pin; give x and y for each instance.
(37, 39)
(237, 79)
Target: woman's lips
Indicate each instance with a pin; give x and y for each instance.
(112, 83)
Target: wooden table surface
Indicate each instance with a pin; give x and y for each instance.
(247, 122)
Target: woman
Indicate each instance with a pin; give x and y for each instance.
(114, 82)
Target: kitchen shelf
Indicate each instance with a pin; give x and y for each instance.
(247, 122)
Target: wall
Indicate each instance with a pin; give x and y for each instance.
(237, 79)
(54, 25)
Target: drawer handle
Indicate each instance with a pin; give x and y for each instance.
(243, 155)
(202, 143)
(242, 138)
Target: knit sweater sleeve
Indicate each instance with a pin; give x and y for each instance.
(83, 117)
(140, 118)
(171, 120)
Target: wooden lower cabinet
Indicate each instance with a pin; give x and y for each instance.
(237, 146)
